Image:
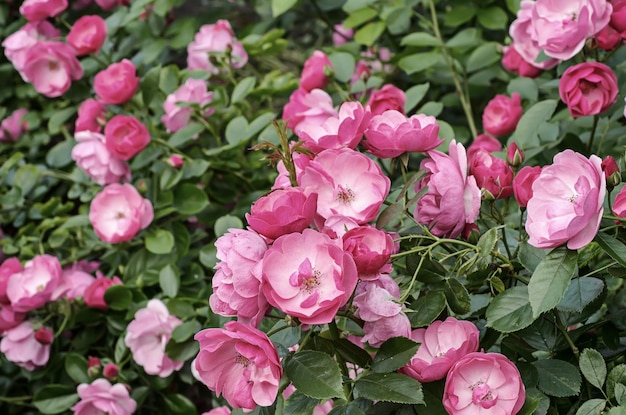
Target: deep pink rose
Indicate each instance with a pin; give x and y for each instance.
(31, 288)
(566, 205)
(9, 267)
(17, 44)
(9, 318)
(389, 97)
(608, 38)
(308, 107)
(524, 37)
(110, 371)
(391, 134)
(110, 4)
(308, 275)
(125, 136)
(35, 10)
(493, 175)
(118, 212)
(483, 142)
(512, 61)
(176, 161)
(618, 17)
(314, 72)
(193, 91)
(453, 197)
(148, 334)
(117, 83)
(51, 67)
(95, 159)
(20, 346)
(502, 114)
(94, 292)
(282, 211)
(588, 88)
(514, 155)
(371, 249)
(73, 284)
(87, 34)
(91, 116)
(611, 170)
(619, 204)
(102, 397)
(239, 362)
(523, 184)
(442, 344)
(215, 42)
(14, 125)
(341, 34)
(483, 383)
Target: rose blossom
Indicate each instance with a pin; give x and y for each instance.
(619, 205)
(118, 212)
(94, 293)
(9, 267)
(314, 72)
(221, 410)
(493, 175)
(512, 61)
(20, 346)
(391, 134)
(442, 344)
(117, 83)
(91, 116)
(502, 114)
(524, 37)
(102, 397)
(192, 91)
(125, 136)
(239, 362)
(312, 107)
(483, 142)
(148, 334)
(611, 170)
(87, 34)
(300, 161)
(110, 370)
(35, 10)
(32, 287)
(95, 159)
(608, 38)
(588, 88)
(73, 284)
(110, 4)
(618, 17)
(17, 44)
(341, 34)
(523, 184)
(336, 226)
(212, 39)
(371, 249)
(483, 383)
(9, 318)
(453, 197)
(51, 67)
(389, 97)
(566, 205)
(14, 125)
(308, 275)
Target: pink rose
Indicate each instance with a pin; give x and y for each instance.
(9, 318)
(110, 371)
(611, 170)
(524, 37)
(95, 159)
(176, 161)
(588, 88)
(312, 107)
(619, 205)
(73, 284)
(222, 410)
(9, 267)
(483, 142)
(31, 288)
(483, 383)
(94, 292)
(91, 116)
(308, 275)
(125, 136)
(20, 346)
(215, 42)
(282, 211)
(371, 250)
(87, 35)
(608, 38)
(51, 67)
(379, 331)
(341, 34)
(523, 184)
(17, 44)
(442, 344)
(512, 61)
(389, 97)
(239, 362)
(117, 83)
(192, 91)
(453, 198)
(118, 212)
(514, 155)
(392, 134)
(493, 175)
(566, 205)
(148, 334)
(314, 72)
(14, 125)
(110, 4)
(35, 10)
(101, 396)
(336, 226)
(502, 114)
(618, 17)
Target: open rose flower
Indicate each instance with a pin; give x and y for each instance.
(102, 397)
(21, 347)
(95, 159)
(193, 91)
(215, 39)
(117, 83)
(308, 107)
(588, 88)
(125, 136)
(51, 67)
(314, 72)
(87, 34)
(14, 125)
(524, 37)
(389, 97)
(32, 287)
(35, 10)
(74, 283)
(17, 44)
(91, 116)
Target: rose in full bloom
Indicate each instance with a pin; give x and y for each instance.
(91, 116)
(566, 205)
(35, 10)
(32, 287)
(239, 362)
(523, 184)
(308, 107)
(95, 159)
(389, 97)
(14, 125)
(371, 249)
(442, 344)
(314, 72)
(94, 293)
(308, 275)
(502, 114)
(391, 134)
(118, 212)
(524, 37)
(148, 334)
(125, 136)
(20, 346)
(87, 35)
(193, 91)
(483, 383)
(51, 67)
(73, 284)
(102, 397)
(493, 175)
(117, 83)
(453, 197)
(17, 44)
(512, 61)
(588, 88)
(213, 39)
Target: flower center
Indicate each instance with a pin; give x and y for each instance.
(483, 395)
(572, 198)
(53, 65)
(586, 87)
(306, 277)
(344, 195)
(242, 360)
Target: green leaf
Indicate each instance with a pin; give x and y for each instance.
(457, 296)
(239, 131)
(59, 118)
(414, 95)
(389, 387)
(427, 308)
(549, 282)
(298, 403)
(315, 374)
(620, 394)
(168, 79)
(529, 256)
(169, 280)
(398, 19)
(61, 154)
(466, 38)
(369, 33)
(418, 62)
(243, 88)
(420, 39)
(613, 247)
(617, 410)
(343, 65)
(580, 293)
(76, 367)
(526, 87)
(226, 222)
(186, 330)
(459, 14)
(360, 16)
(393, 354)
(558, 378)
(431, 108)
(350, 409)
(483, 56)
(159, 241)
(54, 399)
(185, 134)
(493, 18)
(593, 367)
(150, 84)
(616, 375)
(592, 407)
(281, 6)
(510, 310)
(182, 351)
(118, 297)
(526, 135)
(26, 178)
(180, 404)
(189, 200)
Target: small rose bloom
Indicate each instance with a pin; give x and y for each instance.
(371, 250)
(35, 10)
(14, 125)
(110, 370)
(213, 39)
(44, 335)
(512, 61)
(94, 293)
(193, 91)
(493, 175)
(20, 346)
(588, 88)
(314, 72)
(484, 142)
(119, 212)
(87, 35)
(514, 155)
(502, 114)
(312, 107)
(608, 38)
(483, 383)
(125, 136)
(117, 83)
(341, 34)
(102, 397)
(175, 161)
(239, 362)
(389, 97)
(31, 288)
(523, 184)
(73, 284)
(51, 67)
(95, 159)
(91, 116)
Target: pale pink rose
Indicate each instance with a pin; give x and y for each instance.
(523, 184)
(588, 88)
(102, 397)
(314, 72)
(392, 134)
(453, 197)
(14, 125)
(31, 288)
(341, 34)
(282, 211)
(239, 362)
(222, 410)
(308, 275)
(493, 175)
(87, 35)
(566, 205)
(237, 280)
(482, 383)
(125, 136)
(192, 91)
(17, 44)
(619, 204)
(336, 226)
(371, 249)
(347, 182)
(215, 42)
(512, 61)
(389, 97)
(312, 107)
(119, 212)
(35, 10)
(483, 142)
(441, 345)
(117, 83)
(20, 346)
(9, 318)
(95, 159)
(148, 334)
(91, 116)
(73, 284)
(524, 38)
(501, 115)
(85, 266)
(93, 295)
(51, 67)
(9, 267)
(379, 331)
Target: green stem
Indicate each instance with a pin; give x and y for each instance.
(593, 133)
(563, 330)
(334, 335)
(408, 290)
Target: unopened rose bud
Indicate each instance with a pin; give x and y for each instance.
(514, 155)
(93, 362)
(44, 335)
(611, 172)
(471, 233)
(111, 370)
(175, 160)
